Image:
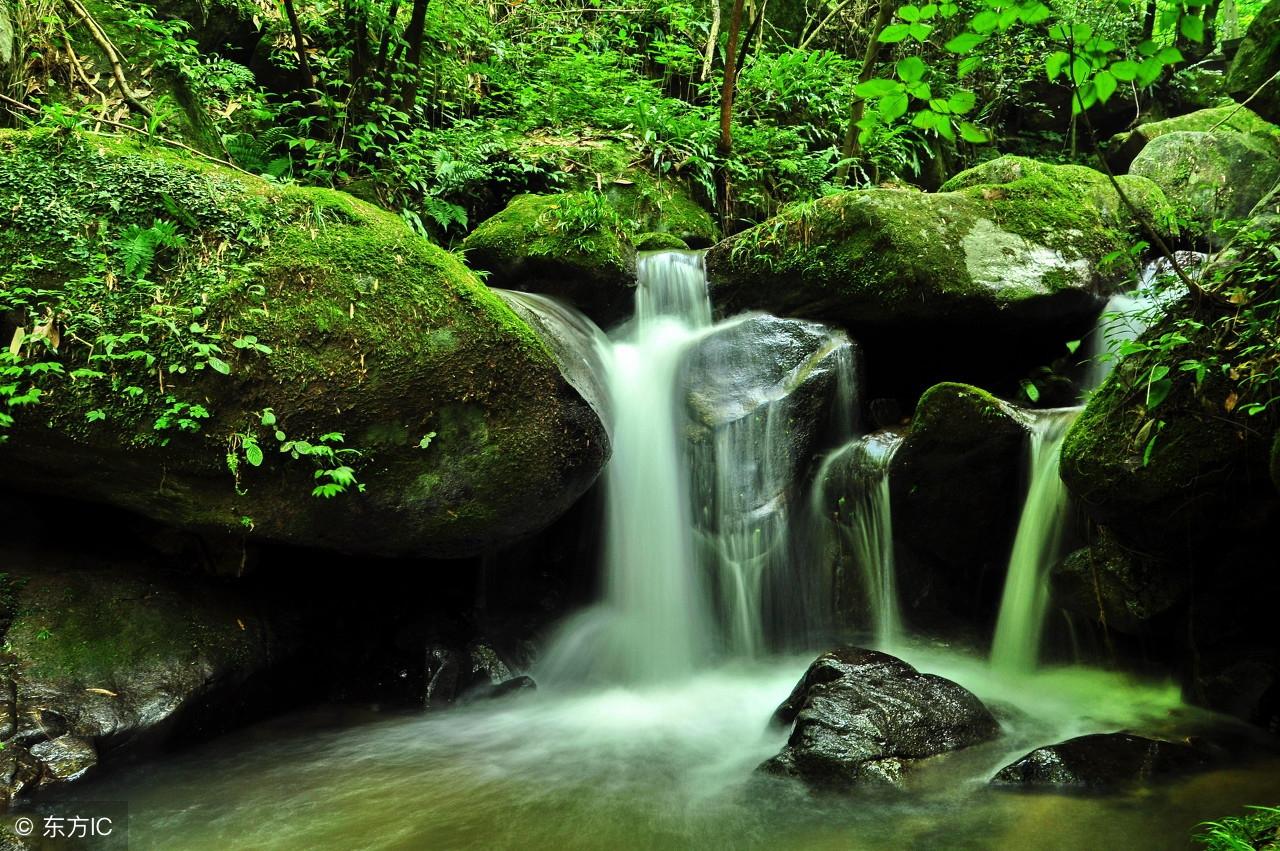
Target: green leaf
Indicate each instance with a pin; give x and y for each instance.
(920, 32)
(253, 454)
(219, 365)
(878, 87)
(911, 69)
(95, 416)
(985, 22)
(1169, 56)
(1157, 392)
(1080, 72)
(910, 14)
(1105, 85)
(1035, 13)
(1056, 62)
(968, 65)
(1032, 391)
(1124, 70)
(962, 102)
(893, 106)
(892, 34)
(268, 417)
(1192, 27)
(973, 134)
(964, 42)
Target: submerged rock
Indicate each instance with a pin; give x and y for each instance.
(64, 759)
(1100, 762)
(298, 331)
(862, 717)
(461, 675)
(1010, 252)
(1211, 177)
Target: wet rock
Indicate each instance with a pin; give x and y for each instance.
(1119, 587)
(458, 675)
(1210, 177)
(515, 685)
(1100, 762)
(64, 759)
(862, 717)
(956, 480)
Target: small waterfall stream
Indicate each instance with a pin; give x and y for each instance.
(1025, 600)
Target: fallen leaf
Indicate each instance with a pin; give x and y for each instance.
(1230, 404)
(16, 344)
(102, 691)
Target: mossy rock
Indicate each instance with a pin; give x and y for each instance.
(1013, 247)
(1231, 118)
(1210, 177)
(570, 245)
(325, 310)
(1256, 61)
(660, 242)
(1168, 479)
(1117, 587)
(955, 481)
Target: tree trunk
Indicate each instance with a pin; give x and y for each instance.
(712, 38)
(852, 148)
(725, 147)
(413, 35)
(299, 45)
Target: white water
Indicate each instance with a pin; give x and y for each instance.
(851, 496)
(1036, 546)
(653, 622)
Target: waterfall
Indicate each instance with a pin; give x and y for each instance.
(1036, 545)
(713, 429)
(851, 496)
(653, 623)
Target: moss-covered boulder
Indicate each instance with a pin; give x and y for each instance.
(105, 659)
(1011, 250)
(654, 241)
(1231, 118)
(1169, 478)
(222, 347)
(1210, 177)
(1256, 61)
(572, 246)
(955, 483)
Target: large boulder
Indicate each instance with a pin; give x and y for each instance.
(1100, 762)
(1122, 589)
(107, 660)
(1210, 177)
(571, 245)
(1233, 118)
(956, 485)
(862, 717)
(1009, 251)
(224, 347)
(1256, 61)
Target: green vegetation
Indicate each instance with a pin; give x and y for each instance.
(1258, 830)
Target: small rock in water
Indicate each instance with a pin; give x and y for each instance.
(863, 717)
(1100, 761)
(65, 758)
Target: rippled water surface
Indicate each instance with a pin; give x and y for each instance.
(661, 767)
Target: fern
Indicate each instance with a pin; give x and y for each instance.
(137, 245)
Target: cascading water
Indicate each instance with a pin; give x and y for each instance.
(851, 499)
(713, 426)
(653, 622)
(1016, 648)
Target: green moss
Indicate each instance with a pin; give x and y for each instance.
(962, 409)
(659, 242)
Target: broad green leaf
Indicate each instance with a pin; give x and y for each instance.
(878, 87)
(971, 132)
(1124, 70)
(893, 106)
(964, 42)
(1105, 85)
(1080, 71)
(893, 33)
(910, 14)
(219, 365)
(1192, 27)
(968, 65)
(985, 21)
(962, 102)
(253, 454)
(920, 32)
(920, 91)
(1055, 63)
(911, 69)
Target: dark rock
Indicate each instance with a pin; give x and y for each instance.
(956, 481)
(1256, 61)
(515, 685)
(461, 675)
(1116, 586)
(864, 717)
(1099, 762)
(64, 759)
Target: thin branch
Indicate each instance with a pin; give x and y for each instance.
(813, 33)
(1245, 102)
(113, 56)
